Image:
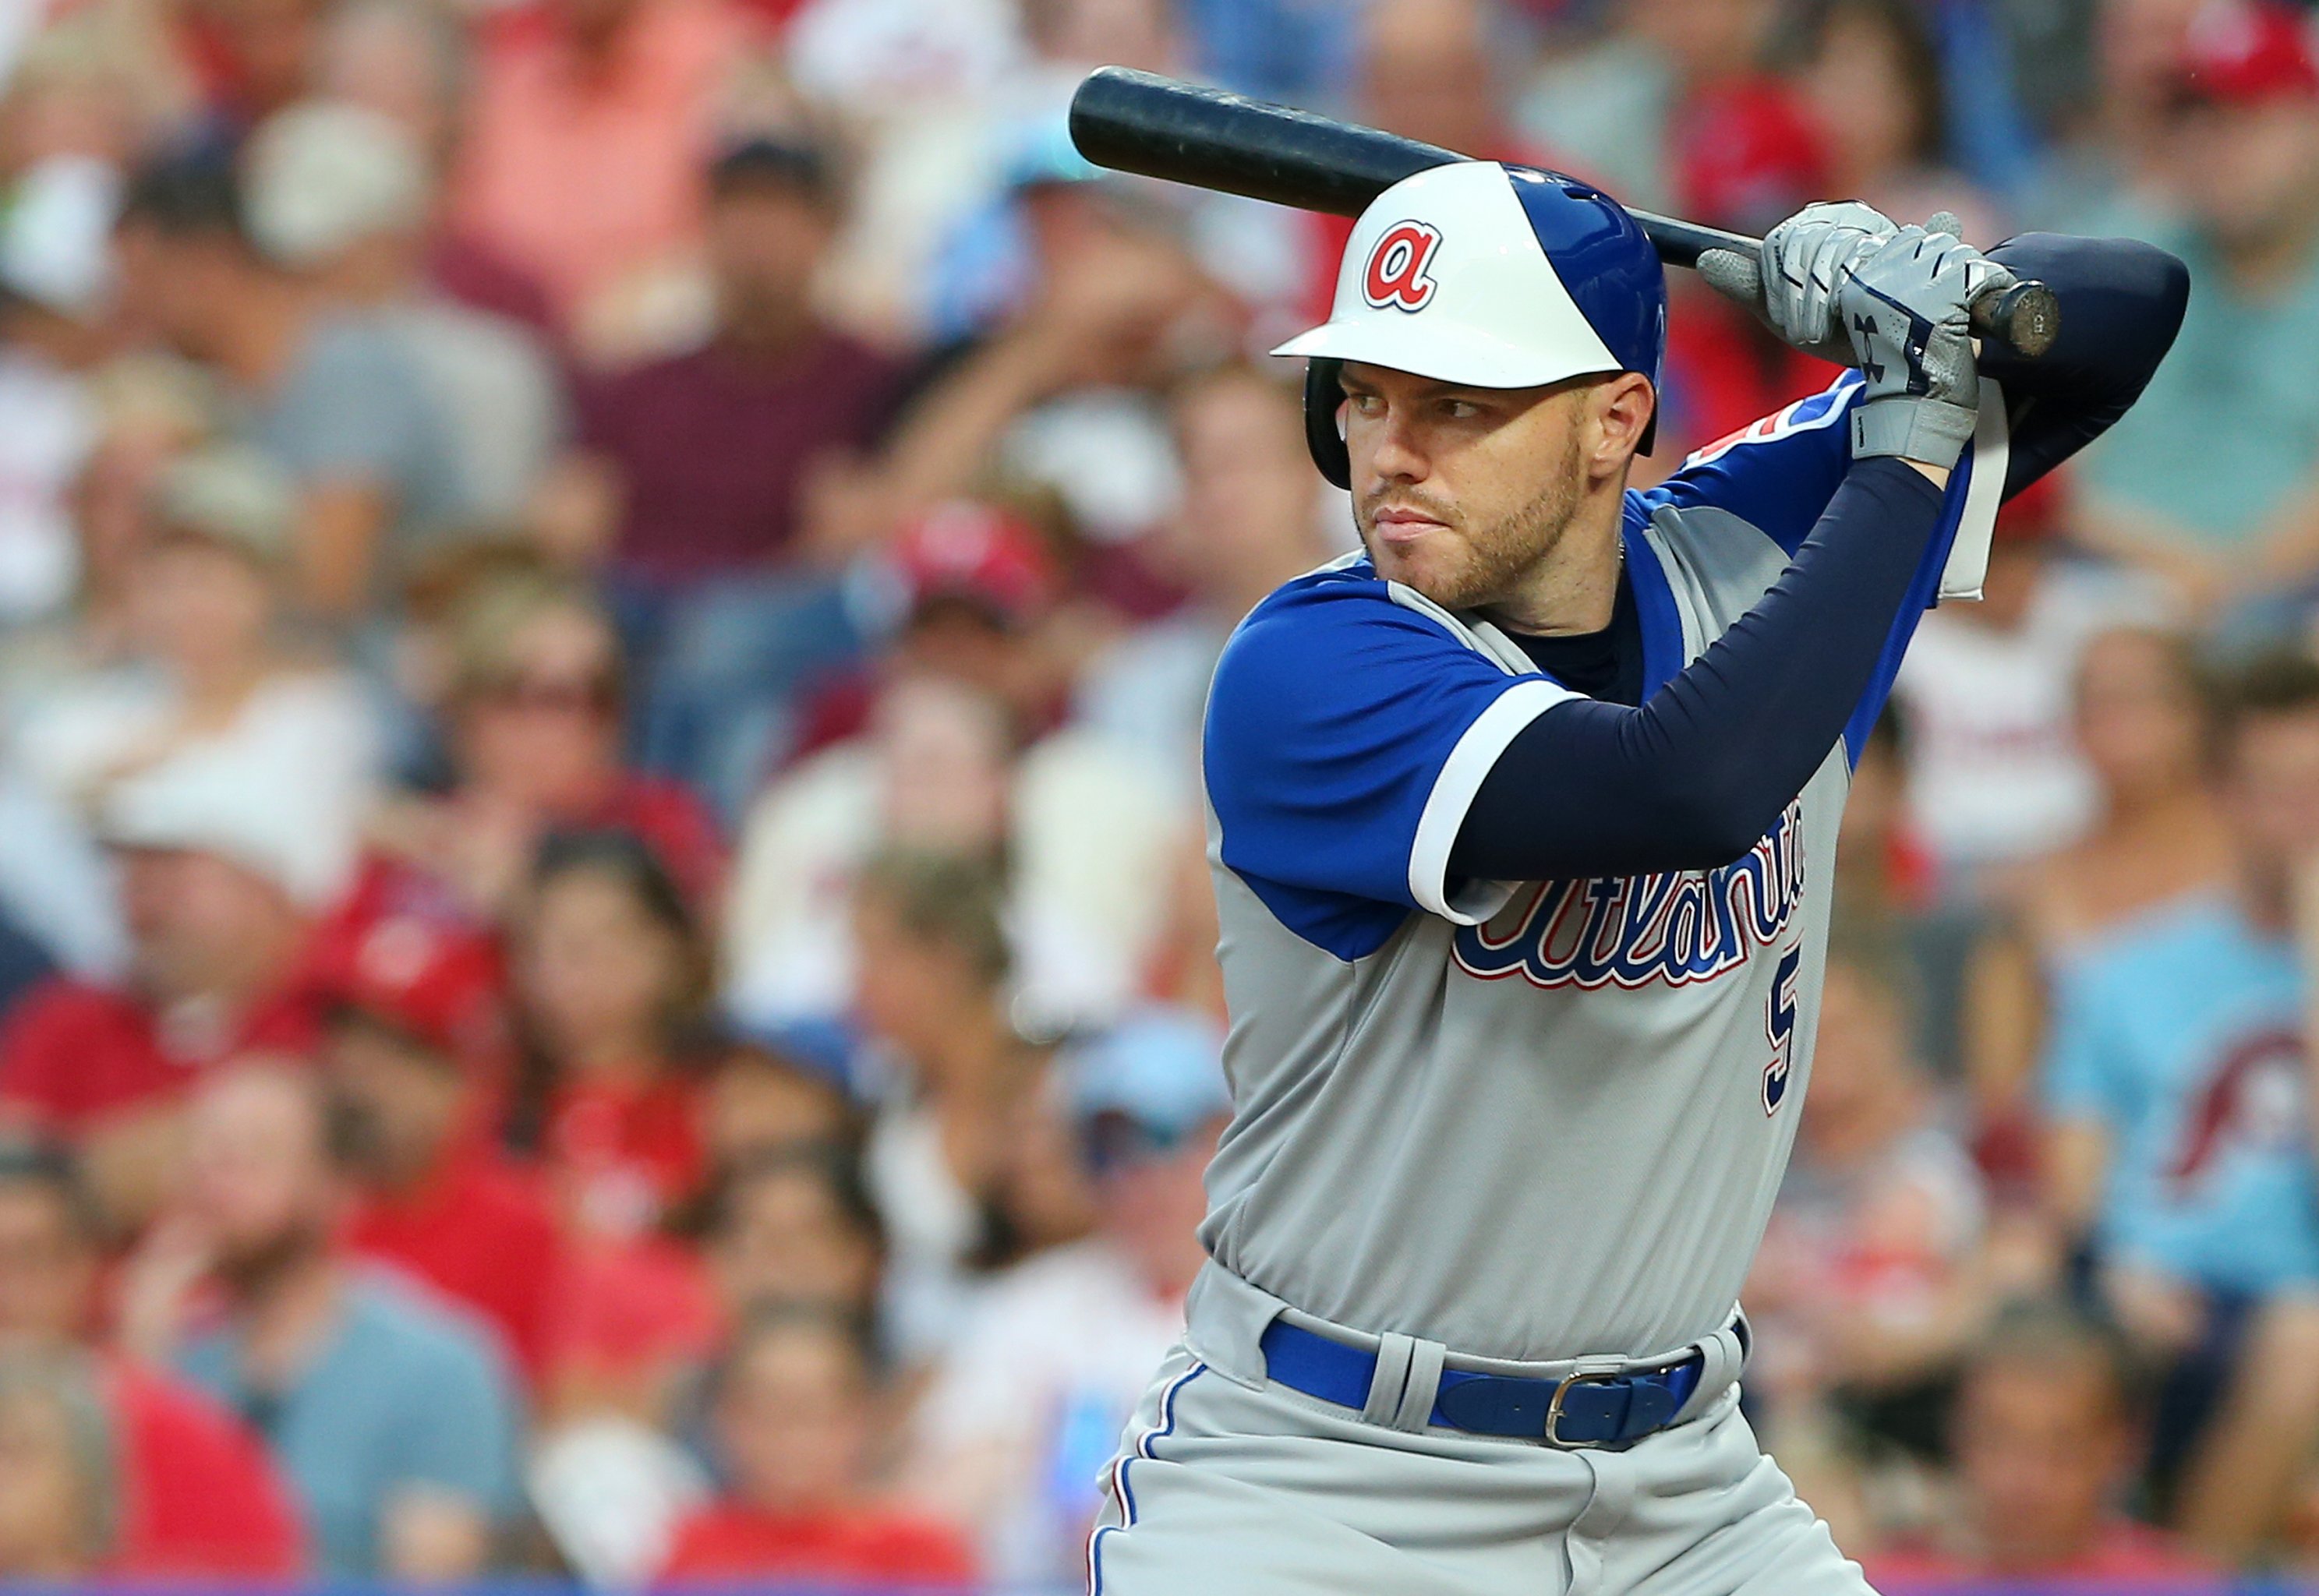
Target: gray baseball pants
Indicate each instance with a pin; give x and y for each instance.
(1229, 1485)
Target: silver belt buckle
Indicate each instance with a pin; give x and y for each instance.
(1603, 1372)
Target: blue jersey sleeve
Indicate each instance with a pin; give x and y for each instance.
(1777, 475)
(1781, 473)
(1348, 731)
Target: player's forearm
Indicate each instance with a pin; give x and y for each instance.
(2121, 303)
(1693, 777)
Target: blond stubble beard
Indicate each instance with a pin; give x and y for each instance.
(1498, 563)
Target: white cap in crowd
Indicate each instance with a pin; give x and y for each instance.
(324, 176)
(229, 494)
(251, 811)
(56, 238)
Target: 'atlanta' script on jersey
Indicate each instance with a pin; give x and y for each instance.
(1677, 926)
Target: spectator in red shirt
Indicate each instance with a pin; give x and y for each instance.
(583, 124)
(533, 725)
(716, 471)
(793, 1422)
(612, 980)
(222, 872)
(710, 451)
(417, 1060)
(196, 1495)
(2043, 1432)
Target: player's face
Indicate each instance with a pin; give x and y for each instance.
(1461, 494)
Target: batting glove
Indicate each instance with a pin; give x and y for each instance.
(1792, 280)
(1907, 308)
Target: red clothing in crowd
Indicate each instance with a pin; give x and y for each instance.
(1724, 371)
(668, 818)
(464, 268)
(713, 446)
(481, 1233)
(730, 1540)
(74, 1053)
(632, 1310)
(199, 1497)
(626, 1152)
(2124, 1550)
(582, 165)
(388, 889)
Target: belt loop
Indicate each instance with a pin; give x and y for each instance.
(1393, 1356)
(1721, 1356)
(1423, 1385)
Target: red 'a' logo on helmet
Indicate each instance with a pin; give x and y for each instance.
(1397, 275)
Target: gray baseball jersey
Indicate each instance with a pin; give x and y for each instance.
(1530, 1121)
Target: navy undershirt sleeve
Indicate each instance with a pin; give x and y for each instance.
(1691, 780)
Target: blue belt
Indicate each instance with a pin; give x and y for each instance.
(1586, 1410)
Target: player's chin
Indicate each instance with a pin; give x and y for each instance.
(1433, 570)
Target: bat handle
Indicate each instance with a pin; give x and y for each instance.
(2025, 317)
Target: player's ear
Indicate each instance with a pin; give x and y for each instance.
(1622, 406)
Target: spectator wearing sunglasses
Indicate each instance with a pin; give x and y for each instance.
(532, 729)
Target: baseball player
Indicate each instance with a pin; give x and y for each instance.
(1522, 823)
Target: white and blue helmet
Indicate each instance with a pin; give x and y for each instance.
(1491, 276)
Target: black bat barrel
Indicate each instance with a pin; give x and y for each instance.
(1157, 127)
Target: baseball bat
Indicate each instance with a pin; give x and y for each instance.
(1157, 127)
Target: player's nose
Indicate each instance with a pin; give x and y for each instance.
(1395, 453)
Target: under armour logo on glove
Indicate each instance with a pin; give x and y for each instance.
(1865, 325)
(1912, 347)
(1906, 310)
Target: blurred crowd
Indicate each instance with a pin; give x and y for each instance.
(605, 963)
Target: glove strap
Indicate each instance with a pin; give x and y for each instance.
(1929, 431)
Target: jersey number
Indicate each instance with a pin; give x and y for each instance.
(1779, 1026)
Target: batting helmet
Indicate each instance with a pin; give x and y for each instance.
(1490, 275)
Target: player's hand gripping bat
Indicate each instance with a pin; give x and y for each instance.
(1155, 127)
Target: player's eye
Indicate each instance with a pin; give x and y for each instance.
(1365, 404)
(1460, 409)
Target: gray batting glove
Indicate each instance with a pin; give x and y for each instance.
(1793, 280)
(1907, 308)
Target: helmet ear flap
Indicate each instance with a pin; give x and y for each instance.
(1324, 396)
